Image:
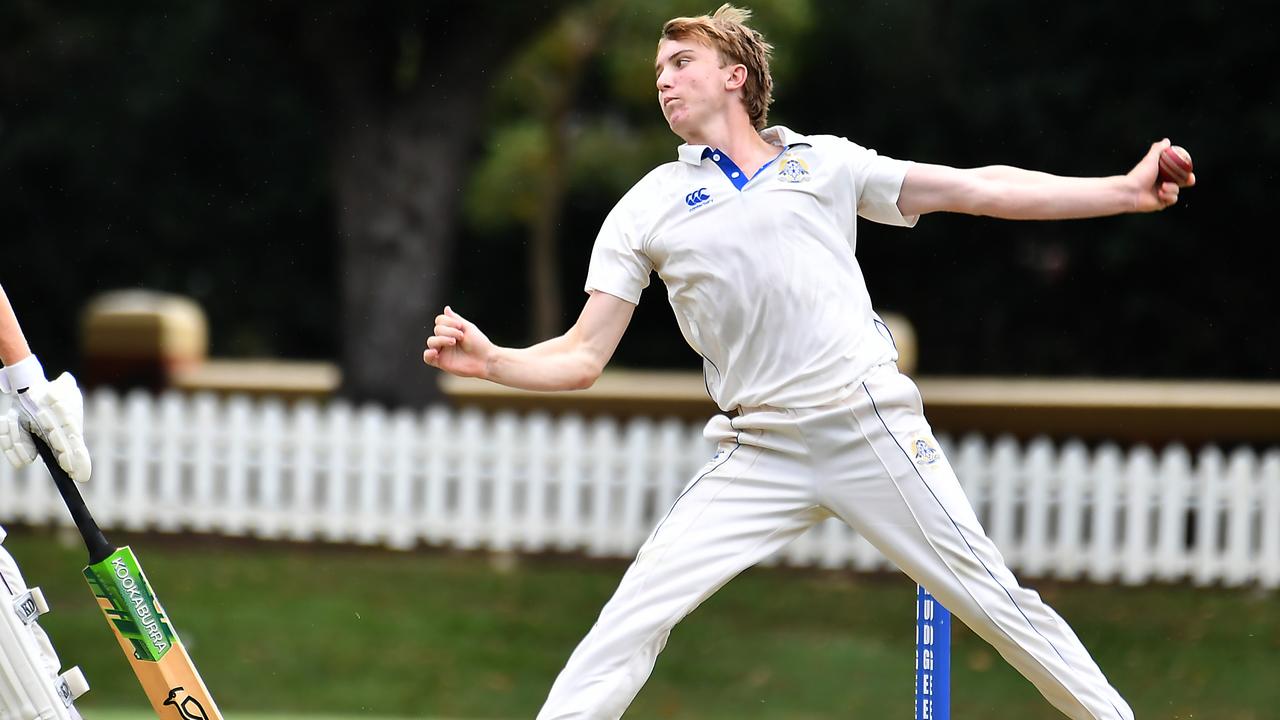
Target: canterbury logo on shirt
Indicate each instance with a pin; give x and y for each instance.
(697, 198)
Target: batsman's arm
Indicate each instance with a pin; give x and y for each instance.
(572, 361)
(13, 344)
(1016, 194)
(55, 410)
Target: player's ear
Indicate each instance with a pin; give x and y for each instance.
(737, 77)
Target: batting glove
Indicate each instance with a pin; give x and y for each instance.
(52, 410)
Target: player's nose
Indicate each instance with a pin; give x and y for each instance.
(664, 80)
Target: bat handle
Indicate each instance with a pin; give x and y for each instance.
(99, 547)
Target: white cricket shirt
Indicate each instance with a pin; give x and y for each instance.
(760, 272)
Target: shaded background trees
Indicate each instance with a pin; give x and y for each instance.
(302, 171)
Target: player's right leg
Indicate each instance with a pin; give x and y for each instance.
(30, 686)
(891, 482)
(750, 500)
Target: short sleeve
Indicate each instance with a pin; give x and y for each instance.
(878, 181)
(618, 263)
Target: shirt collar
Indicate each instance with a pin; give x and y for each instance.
(776, 135)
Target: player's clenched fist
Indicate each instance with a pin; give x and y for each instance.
(457, 346)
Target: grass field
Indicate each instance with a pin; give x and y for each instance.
(284, 631)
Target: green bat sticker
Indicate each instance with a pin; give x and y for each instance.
(133, 608)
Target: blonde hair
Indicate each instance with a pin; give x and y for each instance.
(726, 31)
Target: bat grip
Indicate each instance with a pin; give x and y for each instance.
(98, 545)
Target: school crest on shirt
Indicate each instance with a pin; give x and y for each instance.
(792, 169)
(924, 450)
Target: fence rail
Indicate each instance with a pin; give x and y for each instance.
(534, 482)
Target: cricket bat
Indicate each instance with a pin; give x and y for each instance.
(168, 677)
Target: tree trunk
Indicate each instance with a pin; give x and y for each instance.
(544, 251)
(408, 85)
(585, 34)
(399, 173)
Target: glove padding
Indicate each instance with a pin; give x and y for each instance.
(55, 412)
(18, 446)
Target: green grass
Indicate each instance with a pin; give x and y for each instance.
(361, 633)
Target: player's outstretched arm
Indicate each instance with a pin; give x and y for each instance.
(572, 361)
(1016, 194)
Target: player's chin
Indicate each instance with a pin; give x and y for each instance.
(679, 127)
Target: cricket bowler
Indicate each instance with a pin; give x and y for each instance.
(753, 230)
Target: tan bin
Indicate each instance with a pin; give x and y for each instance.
(904, 338)
(142, 338)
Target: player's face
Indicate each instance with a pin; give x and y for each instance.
(691, 85)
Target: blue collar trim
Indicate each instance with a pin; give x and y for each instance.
(732, 171)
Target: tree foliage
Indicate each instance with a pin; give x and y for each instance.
(200, 148)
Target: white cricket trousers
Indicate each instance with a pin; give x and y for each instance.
(870, 460)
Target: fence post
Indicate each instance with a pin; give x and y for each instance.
(505, 450)
(173, 442)
(442, 454)
(1139, 475)
(1206, 561)
(471, 444)
(1106, 488)
(206, 435)
(334, 477)
(1242, 472)
(602, 477)
(399, 518)
(1269, 556)
(304, 434)
(1035, 508)
(271, 443)
(135, 507)
(1073, 469)
(370, 518)
(235, 513)
(568, 527)
(1175, 499)
(535, 519)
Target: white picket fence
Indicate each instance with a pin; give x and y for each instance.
(536, 483)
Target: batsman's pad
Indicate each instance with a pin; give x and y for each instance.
(30, 686)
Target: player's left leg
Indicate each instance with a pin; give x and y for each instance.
(753, 498)
(890, 481)
(30, 686)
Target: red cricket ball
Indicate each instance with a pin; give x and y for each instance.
(1175, 166)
